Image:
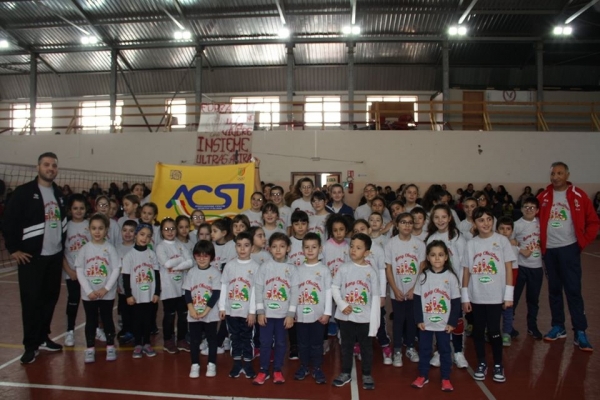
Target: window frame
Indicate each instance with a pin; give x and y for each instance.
(99, 104)
(328, 117)
(41, 122)
(273, 116)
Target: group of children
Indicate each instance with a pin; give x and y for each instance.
(276, 273)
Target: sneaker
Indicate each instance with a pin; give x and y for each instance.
(100, 335)
(111, 353)
(293, 354)
(220, 350)
(420, 382)
(148, 351)
(49, 345)
(137, 352)
(581, 340)
(261, 378)
(211, 370)
(514, 333)
(301, 373)
(204, 345)
(535, 333)
(460, 360)
(499, 374)
(506, 340)
(256, 353)
(557, 332)
(195, 371)
(319, 376)
(182, 345)
(237, 370)
(357, 352)
(446, 385)
(70, 339)
(126, 338)
(29, 356)
(89, 355)
(169, 346)
(368, 382)
(412, 354)
(326, 347)
(249, 371)
(435, 360)
(226, 344)
(387, 356)
(397, 359)
(342, 379)
(278, 377)
(332, 329)
(480, 372)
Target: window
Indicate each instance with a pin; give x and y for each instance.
(371, 99)
(267, 108)
(322, 111)
(95, 115)
(177, 108)
(20, 117)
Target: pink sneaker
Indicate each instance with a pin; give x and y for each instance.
(278, 377)
(387, 356)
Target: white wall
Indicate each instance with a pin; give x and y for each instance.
(514, 159)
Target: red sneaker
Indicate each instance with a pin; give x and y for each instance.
(260, 378)
(278, 377)
(420, 382)
(446, 385)
(256, 352)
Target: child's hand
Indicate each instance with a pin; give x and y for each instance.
(399, 295)
(131, 300)
(204, 313)
(526, 253)
(262, 320)
(381, 302)
(324, 319)
(155, 299)
(449, 329)
(288, 322)
(93, 296)
(193, 313)
(507, 304)
(251, 319)
(421, 326)
(347, 310)
(222, 315)
(101, 292)
(514, 242)
(72, 275)
(466, 307)
(409, 294)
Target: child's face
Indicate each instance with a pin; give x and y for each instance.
(112, 209)
(260, 240)
(277, 197)
(270, 217)
(256, 202)
(217, 235)
(376, 223)
(318, 204)
(411, 194)
(377, 206)
(370, 192)
(169, 231)
(102, 206)
(138, 190)
(339, 232)
(238, 227)
(469, 206)
(306, 188)
(243, 247)
(147, 215)
(419, 220)
(279, 250)
(437, 257)
(505, 230)
(358, 251)
(129, 207)
(128, 234)
(397, 209)
(143, 237)
(529, 211)
(202, 260)
(311, 250)
(299, 228)
(405, 226)
(183, 228)
(481, 201)
(485, 225)
(78, 211)
(337, 194)
(98, 231)
(361, 228)
(441, 219)
(204, 234)
(198, 218)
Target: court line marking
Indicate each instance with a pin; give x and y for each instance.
(481, 385)
(354, 381)
(125, 392)
(591, 254)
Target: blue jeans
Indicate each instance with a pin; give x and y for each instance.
(563, 269)
(273, 331)
(426, 348)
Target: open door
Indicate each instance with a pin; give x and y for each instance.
(473, 113)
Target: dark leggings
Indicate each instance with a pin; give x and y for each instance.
(142, 322)
(351, 333)
(487, 315)
(73, 297)
(210, 330)
(172, 308)
(104, 309)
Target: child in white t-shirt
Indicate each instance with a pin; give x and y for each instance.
(254, 214)
(317, 222)
(505, 227)
(304, 189)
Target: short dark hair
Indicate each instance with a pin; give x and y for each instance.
(279, 236)
(244, 235)
(505, 220)
(205, 247)
(311, 236)
(560, 164)
(531, 200)
(101, 217)
(364, 238)
(130, 222)
(299, 216)
(47, 154)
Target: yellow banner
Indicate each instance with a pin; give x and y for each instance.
(218, 191)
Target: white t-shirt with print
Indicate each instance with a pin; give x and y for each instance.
(561, 231)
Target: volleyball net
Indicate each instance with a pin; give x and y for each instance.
(79, 181)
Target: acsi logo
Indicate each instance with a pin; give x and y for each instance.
(307, 310)
(236, 306)
(435, 318)
(229, 193)
(273, 306)
(407, 279)
(485, 279)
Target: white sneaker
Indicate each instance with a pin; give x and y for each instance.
(220, 350)
(460, 360)
(195, 371)
(211, 370)
(326, 347)
(111, 353)
(70, 339)
(397, 359)
(100, 335)
(89, 355)
(412, 354)
(203, 345)
(227, 344)
(435, 360)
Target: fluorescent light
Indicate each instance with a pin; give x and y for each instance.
(453, 31)
(558, 30)
(347, 30)
(85, 40)
(567, 30)
(93, 39)
(462, 30)
(178, 35)
(4, 44)
(284, 33)
(356, 30)
(187, 35)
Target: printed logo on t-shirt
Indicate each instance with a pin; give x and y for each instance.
(533, 246)
(559, 214)
(76, 242)
(200, 300)
(97, 272)
(485, 266)
(356, 298)
(52, 214)
(143, 278)
(237, 295)
(436, 307)
(308, 297)
(277, 293)
(406, 265)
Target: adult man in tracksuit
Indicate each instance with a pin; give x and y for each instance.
(34, 229)
(568, 223)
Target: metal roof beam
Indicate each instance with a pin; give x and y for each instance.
(580, 11)
(50, 67)
(281, 10)
(353, 12)
(95, 30)
(467, 11)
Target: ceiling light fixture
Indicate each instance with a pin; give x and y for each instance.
(284, 33)
(4, 44)
(351, 30)
(562, 30)
(457, 31)
(182, 35)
